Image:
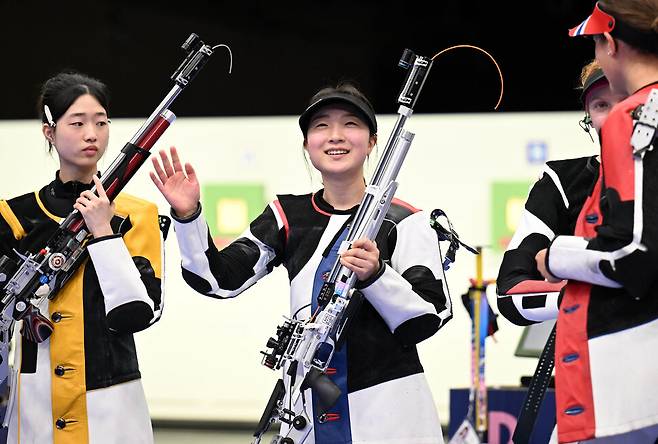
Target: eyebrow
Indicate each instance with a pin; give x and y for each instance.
(325, 115)
(100, 113)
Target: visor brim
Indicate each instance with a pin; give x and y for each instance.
(597, 23)
(366, 112)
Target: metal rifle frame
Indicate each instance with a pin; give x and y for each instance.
(308, 346)
(35, 276)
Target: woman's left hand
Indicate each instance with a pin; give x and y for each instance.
(540, 258)
(362, 258)
(97, 211)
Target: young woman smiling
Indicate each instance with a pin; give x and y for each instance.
(385, 397)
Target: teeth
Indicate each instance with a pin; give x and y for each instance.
(333, 152)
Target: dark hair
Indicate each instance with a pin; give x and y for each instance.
(343, 87)
(640, 14)
(346, 93)
(59, 93)
(642, 18)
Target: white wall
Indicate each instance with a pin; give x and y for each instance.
(202, 361)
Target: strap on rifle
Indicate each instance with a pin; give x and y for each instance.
(448, 234)
(536, 391)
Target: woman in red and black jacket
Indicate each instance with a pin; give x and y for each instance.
(607, 328)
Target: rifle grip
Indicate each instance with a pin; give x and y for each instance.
(36, 327)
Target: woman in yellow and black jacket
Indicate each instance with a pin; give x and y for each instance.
(82, 384)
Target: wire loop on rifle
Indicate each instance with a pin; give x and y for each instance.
(500, 73)
(230, 55)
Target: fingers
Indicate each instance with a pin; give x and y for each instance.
(355, 263)
(362, 258)
(191, 174)
(99, 187)
(175, 160)
(540, 259)
(360, 253)
(158, 169)
(86, 196)
(364, 249)
(365, 244)
(83, 204)
(166, 164)
(346, 262)
(89, 199)
(362, 268)
(156, 181)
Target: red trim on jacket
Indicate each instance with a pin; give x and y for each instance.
(315, 206)
(404, 204)
(531, 286)
(572, 376)
(573, 380)
(617, 152)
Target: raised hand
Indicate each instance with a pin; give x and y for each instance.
(97, 211)
(180, 188)
(362, 258)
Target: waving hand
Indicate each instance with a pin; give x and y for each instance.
(180, 187)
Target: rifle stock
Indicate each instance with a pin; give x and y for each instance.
(308, 346)
(34, 276)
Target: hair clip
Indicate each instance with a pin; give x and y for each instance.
(49, 116)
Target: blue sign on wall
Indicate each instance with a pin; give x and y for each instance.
(536, 151)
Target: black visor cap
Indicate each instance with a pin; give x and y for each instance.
(363, 110)
(596, 77)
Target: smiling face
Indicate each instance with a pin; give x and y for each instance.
(80, 136)
(338, 142)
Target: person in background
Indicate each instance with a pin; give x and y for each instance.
(82, 384)
(552, 208)
(607, 326)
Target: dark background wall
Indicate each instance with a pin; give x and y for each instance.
(284, 51)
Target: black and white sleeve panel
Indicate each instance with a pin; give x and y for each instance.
(411, 295)
(130, 267)
(227, 273)
(552, 208)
